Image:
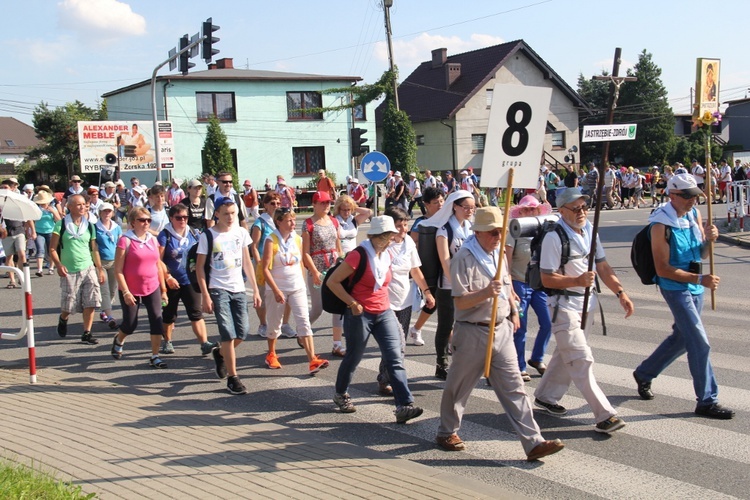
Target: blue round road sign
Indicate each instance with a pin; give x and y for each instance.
(375, 166)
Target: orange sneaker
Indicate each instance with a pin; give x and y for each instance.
(317, 364)
(272, 361)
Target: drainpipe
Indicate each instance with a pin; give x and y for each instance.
(453, 146)
(167, 83)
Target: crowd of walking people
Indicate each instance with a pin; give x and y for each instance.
(217, 250)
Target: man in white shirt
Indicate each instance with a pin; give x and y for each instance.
(429, 180)
(415, 194)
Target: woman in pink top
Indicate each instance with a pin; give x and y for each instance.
(140, 278)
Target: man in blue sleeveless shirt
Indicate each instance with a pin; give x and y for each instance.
(679, 275)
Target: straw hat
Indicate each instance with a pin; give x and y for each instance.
(42, 198)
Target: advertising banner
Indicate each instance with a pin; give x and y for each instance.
(104, 144)
(707, 87)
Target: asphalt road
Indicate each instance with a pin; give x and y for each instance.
(663, 452)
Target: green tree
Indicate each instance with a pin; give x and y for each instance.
(693, 147)
(217, 156)
(58, 129)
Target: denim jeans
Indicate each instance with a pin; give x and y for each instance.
(384, 327)
(230, 310)
(537, 299)
(688, 336)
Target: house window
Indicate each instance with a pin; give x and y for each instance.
(10, 143)
(420, 140)
(307, 161)
(298, 102)
(220, 104)
(477, 143)
(488, 97)
(558, 140)
(360, 114)
(234, 160)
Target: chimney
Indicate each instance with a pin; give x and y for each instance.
(225, 63)
(439, 56)
(212, 66)
(452, 73)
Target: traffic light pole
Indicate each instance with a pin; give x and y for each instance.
(153, 99)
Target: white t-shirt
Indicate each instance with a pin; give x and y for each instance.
(550, 258)
(347, 234)
(459, 235)
(404, 258)
(699, 174)
(286, 267)
(226, 258)
(726, 174)
(159, 219)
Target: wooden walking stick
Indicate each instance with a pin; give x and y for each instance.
(707, 173)
(501, 256)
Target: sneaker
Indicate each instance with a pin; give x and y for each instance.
(610, 425)
(263, 331)
(51, 272)
(441, 372)
(544, 449)
(62, 327)
(338, 350)
(103, 316)
(235, 386)
(116, 349)
(407, 412)
(87, 338)
(39, 274)
(221, 368)
(525, 376)
(317, 364)
(415, 337)
(272, 361)
(166, 347)
(549, 407)
(207, 347)
(715, 411)
(644, 388)
(450, 443)
(156, 362)
(111, 323)
(287, 331)
(344, 402)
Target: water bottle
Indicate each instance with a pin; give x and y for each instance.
(518, 308)
(322, 277)
(164, 303)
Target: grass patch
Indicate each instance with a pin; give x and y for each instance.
(18, 481)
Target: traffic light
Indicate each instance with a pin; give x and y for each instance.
(207, 50)
(185, 63)
(357, 141)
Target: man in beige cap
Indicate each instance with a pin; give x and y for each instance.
(473, 271)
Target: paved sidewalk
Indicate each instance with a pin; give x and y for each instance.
(122, 442)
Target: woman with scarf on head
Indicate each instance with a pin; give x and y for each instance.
(108, 233)
(453, 221)
(175, 240)
(141, 280)
(368, 313)
(518, 252)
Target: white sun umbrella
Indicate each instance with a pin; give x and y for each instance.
(14, 206)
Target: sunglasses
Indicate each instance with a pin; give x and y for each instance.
(226, 182)
(76, 182)
(685, 196)
(180, 217)
(578, 210)
(144, 220)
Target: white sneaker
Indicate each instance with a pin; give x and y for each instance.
(287, 331)
(415, 336)
(263, 331)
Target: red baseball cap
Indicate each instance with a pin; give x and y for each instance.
(321, 196)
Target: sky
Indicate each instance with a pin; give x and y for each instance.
(59, 51)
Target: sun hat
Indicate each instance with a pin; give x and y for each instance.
(412, 174)
(397, 174)
(42, 198)
(75, 178)
(685, 183)
(109, 184)
(355, 180)
(569, 195)
(529, 201)
(321, 196)
(487, 219)
(194, 183)
(380, 225)
(106, 206)
(44, 187)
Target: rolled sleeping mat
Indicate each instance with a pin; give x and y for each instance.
(527, 227)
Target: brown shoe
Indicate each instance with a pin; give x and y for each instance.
(538, 366)
(452, 443)
(544, 449)
(385, 389)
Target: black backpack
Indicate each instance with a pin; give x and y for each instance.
(192, 259)
(428, 254)
(641, 256)
(331, 303)
(92, 235)
(533, 272)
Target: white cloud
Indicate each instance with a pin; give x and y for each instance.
(108, 19)
(408, 54)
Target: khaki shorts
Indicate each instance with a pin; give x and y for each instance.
(79, 291)
(13, 245)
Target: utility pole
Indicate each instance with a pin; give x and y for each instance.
(387, 4)
(614, 92)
